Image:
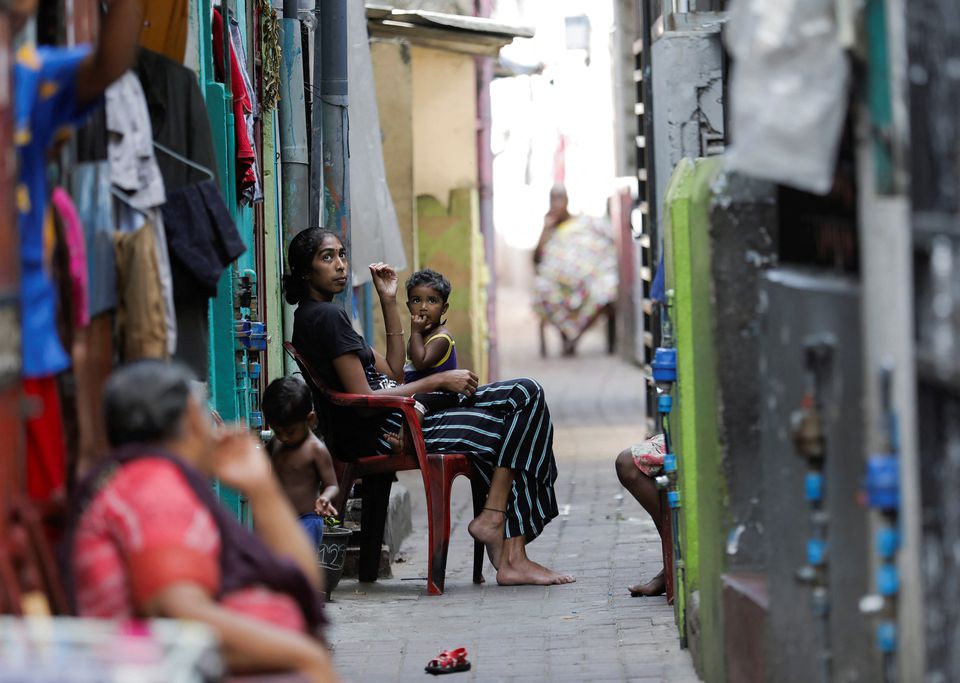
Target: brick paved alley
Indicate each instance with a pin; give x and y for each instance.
(589, 631)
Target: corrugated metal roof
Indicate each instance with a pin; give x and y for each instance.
(474, 35)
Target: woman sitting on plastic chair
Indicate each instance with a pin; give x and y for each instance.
(504, 427)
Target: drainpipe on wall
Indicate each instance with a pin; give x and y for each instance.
(294, 163)
(316, 123)
(336, 128)
(485, 176)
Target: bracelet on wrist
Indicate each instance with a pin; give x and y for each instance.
(395, 334)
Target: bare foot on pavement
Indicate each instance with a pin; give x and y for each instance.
(655, 586)
(526, 572)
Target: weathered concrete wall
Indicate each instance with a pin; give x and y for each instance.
(799, 306)
(444, 122)
(687, 99)
(742, 234)
(445, 168)
(393, 73)
(718, 239)
(427, 103)
(450, 242)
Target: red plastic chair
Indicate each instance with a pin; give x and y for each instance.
(438, 470)
(26, 562)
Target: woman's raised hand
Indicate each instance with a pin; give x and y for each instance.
(240, 461)
(385, 279)
(458, 381)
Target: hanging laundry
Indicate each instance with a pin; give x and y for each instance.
(178, 118)
(44, 100)
(133, 166)
(90, 186)
(202, 236)
(141, 318)
(136, 175)
(198, 225)
(76, 254)
(255, 193)
(46, 467)
(91, 138)
(246, 157)
(130, 220)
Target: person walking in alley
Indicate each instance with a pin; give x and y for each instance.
(636, 467)
(504, 427)
(150, 539)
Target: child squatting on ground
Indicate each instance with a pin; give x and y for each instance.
(431, 348)
(301, 460)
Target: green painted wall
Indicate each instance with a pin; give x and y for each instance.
(694, 423)
(270, 279)
(450, 242)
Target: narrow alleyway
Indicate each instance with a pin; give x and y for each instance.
(589, 631)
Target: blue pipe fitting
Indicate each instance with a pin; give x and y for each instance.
(664, 365)
(814, 486)
(888, 542)
(816, 552)
(665, 404)
(242, 330)
(254, 370)
(888, 580)
(883, 482)
(255, 338)
(669, 462)
(887, 637)
(256, 419)
(673, 498)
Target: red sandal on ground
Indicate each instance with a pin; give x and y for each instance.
(448, 662)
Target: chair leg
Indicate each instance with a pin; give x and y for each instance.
(345, 482)
(611, 329)
(43, 558)
(441, 482)
(479, 498)
(666, 545)
(11, 599)
(373, 519)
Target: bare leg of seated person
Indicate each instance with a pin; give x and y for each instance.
(645, 491)
(488, 526)
(508, 556)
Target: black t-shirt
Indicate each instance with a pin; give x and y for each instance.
(322, 332)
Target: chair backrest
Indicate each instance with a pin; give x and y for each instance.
(309, 373)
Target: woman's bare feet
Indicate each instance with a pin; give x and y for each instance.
(487, 527)
(516, 569)
(395, 441)
(655, 586)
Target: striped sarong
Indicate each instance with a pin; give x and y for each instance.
(504, 424)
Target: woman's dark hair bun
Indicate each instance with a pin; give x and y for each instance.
(294, 289)
(303, 247)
